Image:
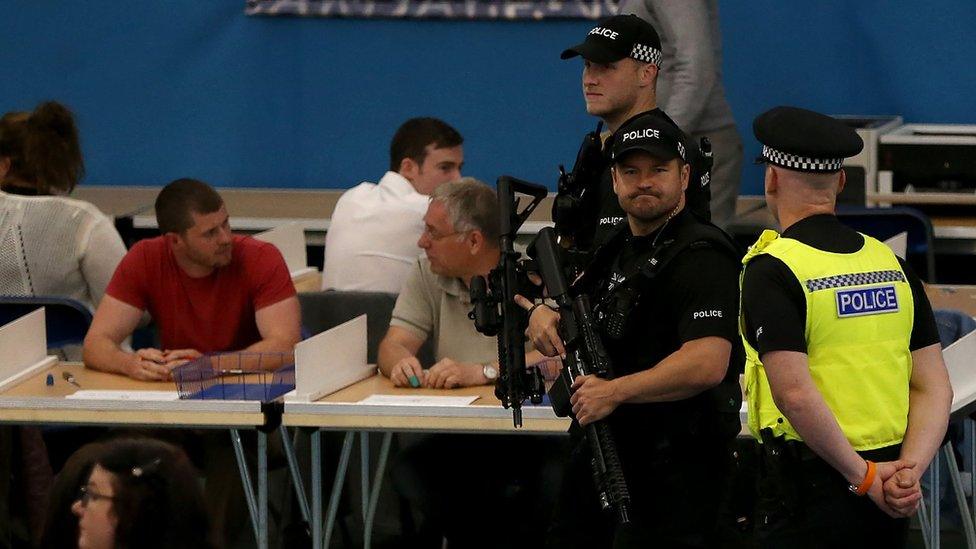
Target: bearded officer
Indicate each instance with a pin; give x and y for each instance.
(664, 289)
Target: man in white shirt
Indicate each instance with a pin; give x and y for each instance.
(372, 238)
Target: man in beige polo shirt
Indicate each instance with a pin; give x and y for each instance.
(454, 481)
(460, 239)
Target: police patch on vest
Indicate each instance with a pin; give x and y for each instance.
(867, 301)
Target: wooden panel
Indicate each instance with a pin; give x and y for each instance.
(266, 203)
(27, 402)
(118, 201)
(945, 296)
(132, 417)
(87, 378)
(426, 424)
(308, 282)
(491, 420)
(381, 385)
(251, 203)
(955, 221)
(953, 199)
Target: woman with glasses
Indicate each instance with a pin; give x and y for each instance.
(60, 523)
(141, 493)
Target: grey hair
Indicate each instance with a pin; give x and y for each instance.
(471, 205)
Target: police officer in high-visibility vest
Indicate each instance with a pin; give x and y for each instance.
(846, 387)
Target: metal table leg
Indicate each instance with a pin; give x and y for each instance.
(364, 467)
(296, 473)
(262, 490)
(936, 523)
(316, 444)
(374, 495)
(340, 479)
(957, 488)
(252, 506)
(970, 427)
(923, 521)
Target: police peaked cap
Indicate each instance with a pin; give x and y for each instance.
(805, 141)
(618, 37)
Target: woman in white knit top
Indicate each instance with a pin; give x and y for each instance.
(50, 245)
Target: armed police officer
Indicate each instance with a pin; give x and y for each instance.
(664, 289)
(845, 380)
(621, 61)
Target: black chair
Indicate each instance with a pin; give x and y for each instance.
(884, 223)
(324, 310)
(66, 320)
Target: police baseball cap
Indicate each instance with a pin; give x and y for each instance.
(805, 141)
(650, 134)
(618, 37)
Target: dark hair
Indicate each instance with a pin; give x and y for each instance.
(60, 523)
(181, 197)
(413, 136)
(43, 148)
(158, 501)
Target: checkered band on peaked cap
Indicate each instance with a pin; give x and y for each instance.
(647, 54)
(618, 37)
(805, 141)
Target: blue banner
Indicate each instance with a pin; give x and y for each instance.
(437, 9)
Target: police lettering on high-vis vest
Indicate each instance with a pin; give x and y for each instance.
(867, 301)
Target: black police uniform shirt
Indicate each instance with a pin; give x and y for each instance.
(695, 295)
(609, 214)
(773, 301)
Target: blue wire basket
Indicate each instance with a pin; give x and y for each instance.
(236, 376)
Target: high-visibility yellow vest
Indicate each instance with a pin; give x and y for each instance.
(858, 326)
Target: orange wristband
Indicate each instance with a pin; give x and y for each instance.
(868, 479)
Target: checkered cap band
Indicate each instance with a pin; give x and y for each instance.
(854, 279)
(803, 163)
(646, 54)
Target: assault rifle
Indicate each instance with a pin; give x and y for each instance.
(495, 312)
(575, 210)
(585, 355)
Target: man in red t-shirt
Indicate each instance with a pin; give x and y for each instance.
(207, 289)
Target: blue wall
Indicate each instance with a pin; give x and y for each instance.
(196, 88)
